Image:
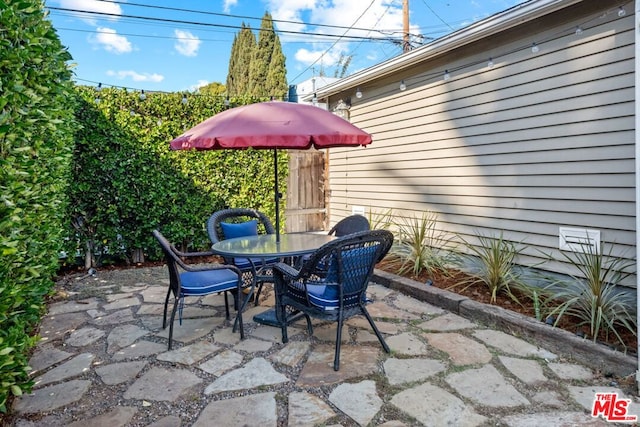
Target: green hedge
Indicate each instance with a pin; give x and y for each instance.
(77, 174)
(126, 181)
(36, 125)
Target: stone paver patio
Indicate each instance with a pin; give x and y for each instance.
(103, 361)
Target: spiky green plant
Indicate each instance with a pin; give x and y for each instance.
(541, 298)
(495, 265)
(420, 245)
(594, 295)
(380, 220)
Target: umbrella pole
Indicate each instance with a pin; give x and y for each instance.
(277, 194)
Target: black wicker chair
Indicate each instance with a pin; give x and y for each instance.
(344, 227)
(189, 280)
(349, 225)
(332, 283)
(254, 271)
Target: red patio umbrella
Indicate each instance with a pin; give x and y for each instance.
(272, 125)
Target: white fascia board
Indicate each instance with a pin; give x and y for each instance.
(499, 22)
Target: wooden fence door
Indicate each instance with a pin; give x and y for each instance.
(306, 209)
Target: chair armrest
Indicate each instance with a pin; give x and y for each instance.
(191, 254)
(287, 270)
(209, 267)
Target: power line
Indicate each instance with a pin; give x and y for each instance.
(437, 16)
(227, 15)
(98, 31)
(331, 47)
(204, 24)
(434, 28)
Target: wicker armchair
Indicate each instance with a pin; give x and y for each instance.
(332, 283)
(188, 280)
(255, 271)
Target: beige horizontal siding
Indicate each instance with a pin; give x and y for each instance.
(537, 142)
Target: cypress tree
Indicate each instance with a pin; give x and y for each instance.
(257, 68)
(242, 51)
(262, 58)
(277, 73)
(233, 65)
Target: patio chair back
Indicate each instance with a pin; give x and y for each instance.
(349, 225)
(332, 283)
(254, 271)
(236, 215)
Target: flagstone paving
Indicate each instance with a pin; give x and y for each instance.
(103, 361)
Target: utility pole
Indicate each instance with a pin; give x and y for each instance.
(405, 24)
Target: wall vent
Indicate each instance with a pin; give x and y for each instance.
(579, 240)
(357, 210)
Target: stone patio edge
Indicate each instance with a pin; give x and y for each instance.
(558, 341)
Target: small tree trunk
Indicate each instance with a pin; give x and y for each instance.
(89, 258)
(138, 256)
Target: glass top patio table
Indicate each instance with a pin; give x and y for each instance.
(265, 246)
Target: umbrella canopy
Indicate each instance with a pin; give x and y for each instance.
(272, 125)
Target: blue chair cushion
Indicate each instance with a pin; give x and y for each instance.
(248, 228)
(324, 297)
(207, 282)
(349, 257)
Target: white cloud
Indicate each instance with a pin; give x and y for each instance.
(93, 6)
(319, 57)
(135, 76)
(382, 14)
(228, 4)
(187, 44)
(109, 40)
(344, 13)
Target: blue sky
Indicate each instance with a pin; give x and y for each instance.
(160, 48)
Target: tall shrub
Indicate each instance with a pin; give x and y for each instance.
(126, 181)
(36, 122)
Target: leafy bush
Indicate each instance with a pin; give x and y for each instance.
(494, 261)
(594, 295)
(420, 246)
(36, 128)
(126, 181)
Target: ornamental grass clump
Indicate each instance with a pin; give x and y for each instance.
(493, 264)
(380, 220)
(594, 295)
(420, 246)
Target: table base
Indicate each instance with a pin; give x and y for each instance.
(270, 318)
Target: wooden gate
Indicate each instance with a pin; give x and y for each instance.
(306, 209)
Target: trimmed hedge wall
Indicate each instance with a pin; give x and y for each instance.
(126, 181)
(36, 129)
(78, 175)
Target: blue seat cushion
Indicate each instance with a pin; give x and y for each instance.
(323, 296)
(207, 282)
(326, 298)
(242, 229)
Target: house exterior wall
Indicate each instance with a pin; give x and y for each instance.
(535, 142)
